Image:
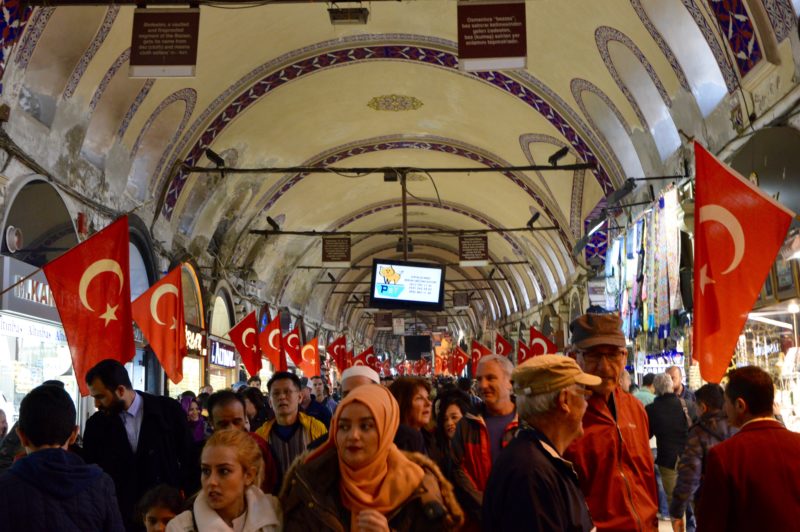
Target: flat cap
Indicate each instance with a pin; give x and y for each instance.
(590, 330)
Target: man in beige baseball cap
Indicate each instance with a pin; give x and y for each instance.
(531, 487)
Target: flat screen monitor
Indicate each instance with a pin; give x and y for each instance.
(415, 345)
(406, 285)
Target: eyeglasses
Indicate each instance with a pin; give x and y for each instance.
(593, 357)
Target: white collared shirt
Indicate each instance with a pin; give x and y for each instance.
(132, 419)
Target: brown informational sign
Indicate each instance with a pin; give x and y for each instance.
(383, 321)
(473, 250)
(460, 300)
(492, 35)
(164, 43)
(336, 252)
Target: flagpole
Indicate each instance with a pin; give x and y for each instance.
(3, 292)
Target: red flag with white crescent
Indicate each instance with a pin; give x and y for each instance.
(738, 233)
(502, 346)
(539, 344)
(309, 359)
(271, 343)
(478, 351)
(92, 292)
(386, 367)
(460, 360)
(524, 353)
(348, 359)
(368, 358)
(291, 344)
(159, 314)
(244, 338)
(338, 351)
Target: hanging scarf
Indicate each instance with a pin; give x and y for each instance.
(389, 478)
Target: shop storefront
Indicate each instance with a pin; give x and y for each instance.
(33, 347)
(194, 363)
(223, 368)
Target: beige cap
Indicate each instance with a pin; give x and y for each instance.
(361, 371)
(549, 373)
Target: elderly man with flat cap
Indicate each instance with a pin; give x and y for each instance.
(531, 487)
(612, 458)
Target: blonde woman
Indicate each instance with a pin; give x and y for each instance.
(230, 500)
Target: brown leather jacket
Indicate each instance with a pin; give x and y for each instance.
(310, 499)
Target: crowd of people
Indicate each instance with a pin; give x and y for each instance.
(556, 443)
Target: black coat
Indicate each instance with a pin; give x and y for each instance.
(54, 489)
(668, 424)
(165, 452)
(530, 489)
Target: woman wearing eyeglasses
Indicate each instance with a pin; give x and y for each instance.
(359, 481)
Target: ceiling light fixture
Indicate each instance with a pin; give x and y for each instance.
(557, 156)
(331, 277)
(215, 158)
(533, 219)
(273, 224)
(617, 196)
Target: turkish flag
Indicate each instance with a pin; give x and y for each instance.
(478, 351)
(539, 344)
(309, 359)
(159, 314)
(367, 358)
(523, 353)
(248, 348)
(502, 346)
(92, 292)
(338, 351)
(460, 360)
(291, 343)
(271, 343)
(738, 232)
(387, 367)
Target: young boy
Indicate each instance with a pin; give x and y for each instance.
(52, 488)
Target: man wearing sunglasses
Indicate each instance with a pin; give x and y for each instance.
(612, 458)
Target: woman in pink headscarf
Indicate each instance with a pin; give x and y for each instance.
(359, 481)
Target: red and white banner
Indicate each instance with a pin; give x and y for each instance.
(459, 361)
(478, 351)
(271, 343)
(539, 344)
(367, 358)
(738, 232)
(291, 344)
(159, 314)
(338, 351)
(523, 353)
(244, 338)
(92, 292)
(309, 359)
(502, 346)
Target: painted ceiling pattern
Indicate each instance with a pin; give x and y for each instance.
(412, 103)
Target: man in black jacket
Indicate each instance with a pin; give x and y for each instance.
(531, 487)
(140, 440)
(52, 488)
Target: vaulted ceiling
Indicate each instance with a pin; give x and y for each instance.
(623, 84)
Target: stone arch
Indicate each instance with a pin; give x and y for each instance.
(156, 139)
(275, 74)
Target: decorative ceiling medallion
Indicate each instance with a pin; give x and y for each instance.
(394, 102)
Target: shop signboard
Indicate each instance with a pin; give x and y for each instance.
(221, 354)
(383, 321)
(164, 43)
(22, 328)
(195, 341)
(492, 35)
(32, 297)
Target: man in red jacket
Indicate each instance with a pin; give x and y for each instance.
(613, 458)
(752, 479)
